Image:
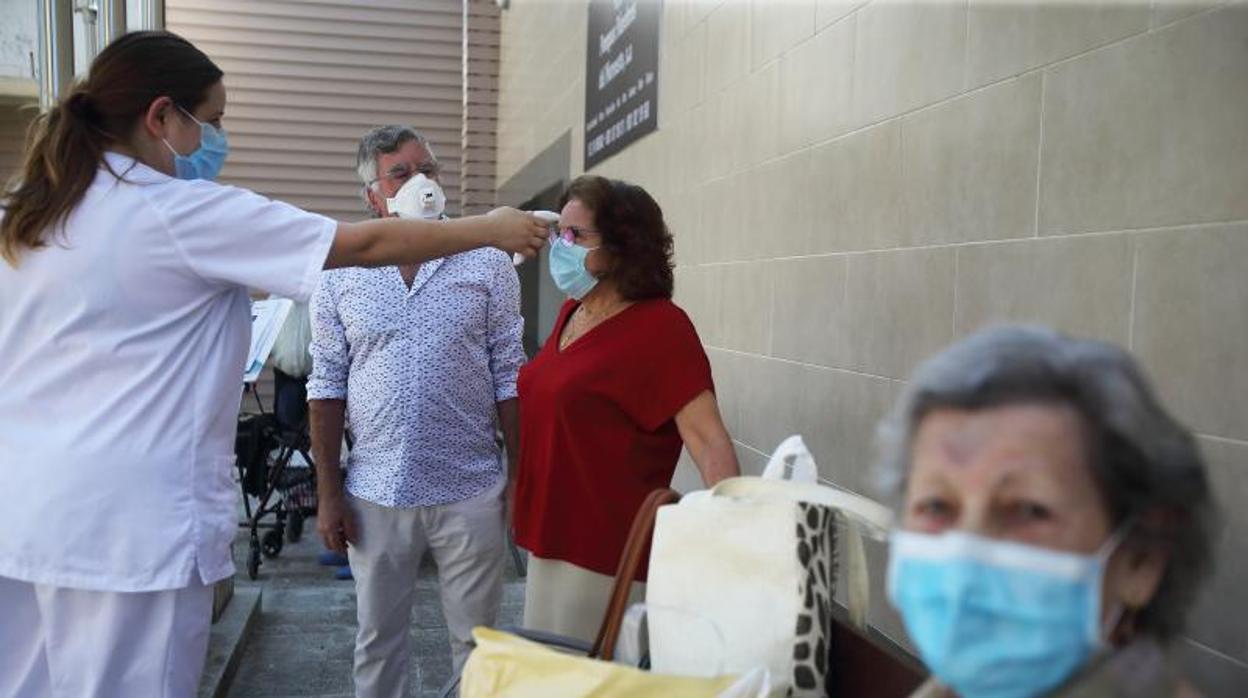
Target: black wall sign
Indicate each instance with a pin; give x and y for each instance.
(621, 75)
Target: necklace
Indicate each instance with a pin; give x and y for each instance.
(584, 319)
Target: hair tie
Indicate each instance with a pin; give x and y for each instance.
(80, 104)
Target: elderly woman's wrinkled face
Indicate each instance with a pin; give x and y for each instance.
(1016, 472)
(1020, 473)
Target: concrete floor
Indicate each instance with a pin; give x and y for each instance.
(303, 641)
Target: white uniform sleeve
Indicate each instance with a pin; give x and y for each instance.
(234, 236)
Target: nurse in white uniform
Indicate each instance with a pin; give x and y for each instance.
(123, 328)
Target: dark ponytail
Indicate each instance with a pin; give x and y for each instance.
(67, 144)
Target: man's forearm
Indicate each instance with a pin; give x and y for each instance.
(509, 423)
(327, 419)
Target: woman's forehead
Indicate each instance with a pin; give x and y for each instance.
(1043, 439)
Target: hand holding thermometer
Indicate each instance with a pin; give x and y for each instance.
(548, 217)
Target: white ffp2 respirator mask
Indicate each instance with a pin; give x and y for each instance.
(419, 197)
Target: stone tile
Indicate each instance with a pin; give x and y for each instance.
(686, 478)
(727, 120)
(683, 214)
(751, 461)
(834, 411)
(688, 154)
(687, 293)
(900, 307)
(882, 616)
(699, 9)
(728, 374)
(1212, 674)
(816, 88)
(777, 210)
(760, 139)
(727, 39)
(730, 237)
(1190, 328)
(742, 295)
(1167, 11)
(1079, 285)
(969, 166)
(858, 199)
(1209, 623)
(907, 56)
(302, 622)
(1149, 132)
(1005, 39)
(303, 678)
(837, 418)
(768, 402)
(810, 314)
(777, 26)
(717, 223)
(690, 70)
(829, 11)
(880, 613)
(310, 599)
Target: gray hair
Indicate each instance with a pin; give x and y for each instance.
(1148, 467)
(383, 139)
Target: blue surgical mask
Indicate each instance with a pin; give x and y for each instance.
(996, 618)
(208, 158)
(567, 268)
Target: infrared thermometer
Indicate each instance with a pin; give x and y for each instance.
(550, 218)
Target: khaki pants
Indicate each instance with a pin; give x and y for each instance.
(467, 543)
(562, 598)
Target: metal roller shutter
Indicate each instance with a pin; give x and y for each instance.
(307, 78)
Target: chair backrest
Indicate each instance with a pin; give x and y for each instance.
(636, 545)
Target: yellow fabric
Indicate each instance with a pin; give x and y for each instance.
(509, 666)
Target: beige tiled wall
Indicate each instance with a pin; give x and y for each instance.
(854, 184)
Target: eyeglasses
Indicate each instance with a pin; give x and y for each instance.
(569, 235)
(401, 173)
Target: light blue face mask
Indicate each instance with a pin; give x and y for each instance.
(995, 618)
(207, 160)
(567, 268)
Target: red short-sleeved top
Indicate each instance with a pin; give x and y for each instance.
(598, 430)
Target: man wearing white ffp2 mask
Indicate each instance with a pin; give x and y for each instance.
(419, 197)
(424, 359)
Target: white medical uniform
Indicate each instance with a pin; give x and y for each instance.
(122, 346)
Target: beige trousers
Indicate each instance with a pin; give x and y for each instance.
(467, 543)
(562, 598)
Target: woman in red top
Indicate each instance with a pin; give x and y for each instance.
(606, 405)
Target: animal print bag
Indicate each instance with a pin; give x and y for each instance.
(756, 560)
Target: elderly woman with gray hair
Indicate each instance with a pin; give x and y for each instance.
(1055, 520)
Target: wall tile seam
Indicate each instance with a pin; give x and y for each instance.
(966, 46)
(771, 312)
(1035, 225)
(748, 447)
(854, 132)
(1144, 230)
(1135, 289)
(819, 478)
(1150, 230)
(1228, 440)
(972, 91)
(1225, 4)
(803, 364)
(953, 328)
(819, 30)
(1214, 651)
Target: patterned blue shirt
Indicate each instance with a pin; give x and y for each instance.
(422, 370)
